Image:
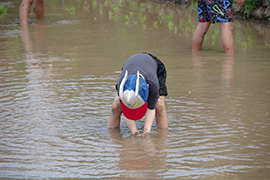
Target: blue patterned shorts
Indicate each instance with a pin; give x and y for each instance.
(215, 11)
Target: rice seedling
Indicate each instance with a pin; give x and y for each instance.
(189, 22)
(134, 4)
(94, 4)
(116, 10)
(155, 24)
(249, 39)
(266, 44)
(143, 26)
(120, 2)
(170, 16)
(106, 3)
(150, 7)
(143, 19)
(71, 10)
(3, 10)
(192, 4)
(160, 17)
(244, 44)
(86, 8)
(142, 6)
(170, 25)
(180, 22)
(127, 18)
(213, 39)
(110, 14)
(101, 9)
(216, 31)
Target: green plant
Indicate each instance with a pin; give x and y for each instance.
(3, 9)
(170, 25)
(170, 17)
(244, 44)
(120, 2)
(192, 4)
(86, 8)
(71, 10)
(213, 38)
(134, 4)
(116, 10)
(94, 4)
(110, 14)
(142, 5)
(106, 3)
(249, 39)
(180, 21)
(266, 44)
(155, 24)
(100, 9)
(249, 6)
(143, 19)
(127, 18)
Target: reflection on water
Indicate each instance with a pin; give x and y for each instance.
(57, 84)
(140, 155)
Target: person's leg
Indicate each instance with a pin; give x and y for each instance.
(115, 114)
(227, 37)
(161, 114)
(38, 7)
(24, 11)
(198, 36)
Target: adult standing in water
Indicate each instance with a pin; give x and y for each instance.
(25, 6)
(215, 11)
(141, 90)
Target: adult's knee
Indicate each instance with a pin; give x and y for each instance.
(226, 26)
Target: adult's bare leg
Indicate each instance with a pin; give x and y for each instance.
(198, 35)
(38, 7)
(24, 11)
(227, 37)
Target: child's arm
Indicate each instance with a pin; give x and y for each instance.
(132, 126)
(149, 119)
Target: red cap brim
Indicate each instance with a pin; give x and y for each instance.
(134, 114)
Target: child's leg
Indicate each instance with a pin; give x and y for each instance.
(115, 114)
(198, 36)
(161, 114)
(24, 11)
(38, 7)
(227, 37)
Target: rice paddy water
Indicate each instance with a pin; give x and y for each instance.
(57, 84)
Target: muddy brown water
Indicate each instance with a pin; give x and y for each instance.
(57, 84)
